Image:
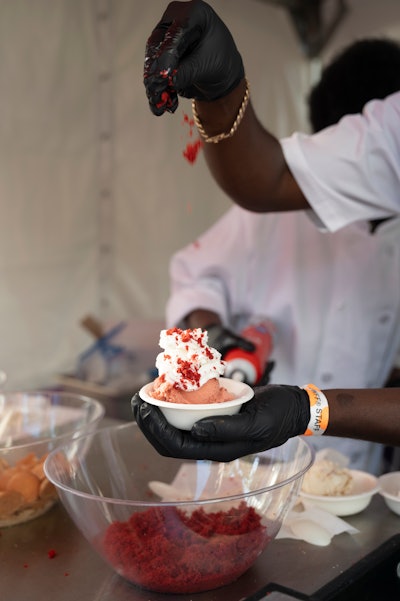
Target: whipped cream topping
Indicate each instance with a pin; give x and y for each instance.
(187, 361)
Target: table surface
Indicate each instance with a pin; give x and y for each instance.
(77, 572)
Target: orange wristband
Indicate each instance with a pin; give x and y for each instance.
(319, 411)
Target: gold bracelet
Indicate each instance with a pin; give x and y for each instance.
(236, 123)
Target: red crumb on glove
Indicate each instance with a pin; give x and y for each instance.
(165, 100)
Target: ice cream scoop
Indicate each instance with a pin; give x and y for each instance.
(187, 361)
(210, 392)
(189, 386)
(188, 369)
(184, 415)
(327, 478)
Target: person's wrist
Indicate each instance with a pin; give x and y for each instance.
(201, 318)
(215, 331)
(217, 116)
(319, 411)
(224, 134)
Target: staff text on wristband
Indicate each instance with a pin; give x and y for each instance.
(319, 411)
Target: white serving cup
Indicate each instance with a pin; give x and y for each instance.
(389, 489)
(184, 415)
(364, 487)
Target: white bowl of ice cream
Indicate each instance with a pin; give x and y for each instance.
(189, 386)
(183, 415)
(339, 490)
(389, 489)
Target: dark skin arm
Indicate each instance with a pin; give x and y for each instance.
(365, 414)
(372, 414)
(220, 337)
(201, 318)
(394, 377)
(275, 414)
(238, 164)
(191, 53)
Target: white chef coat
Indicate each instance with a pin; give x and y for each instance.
(351, 171)
(334, 297)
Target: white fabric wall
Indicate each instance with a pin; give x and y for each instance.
(95, 193)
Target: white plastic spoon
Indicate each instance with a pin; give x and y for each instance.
(311, 532)
(167, 492)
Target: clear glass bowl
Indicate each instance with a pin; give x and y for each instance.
(32, 423)
(175, 526)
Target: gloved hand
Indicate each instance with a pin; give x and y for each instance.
(223, 339)
(191, 53)
(275, 414)
(264, 380)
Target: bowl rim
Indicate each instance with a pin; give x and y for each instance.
(247, 396)
(384, 493)
(178, 503)
(346, 498)
(98, 415)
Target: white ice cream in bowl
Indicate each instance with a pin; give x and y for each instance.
(331, 485)
(190, 385)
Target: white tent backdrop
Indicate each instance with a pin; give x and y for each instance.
(95, 193)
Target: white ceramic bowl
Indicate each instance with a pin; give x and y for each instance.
(184, 415)
(364, 486)
(389, 488)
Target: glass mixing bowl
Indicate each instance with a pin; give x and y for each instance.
(169, 525)
(32, 423)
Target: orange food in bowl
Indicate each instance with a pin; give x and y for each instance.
(24, 489)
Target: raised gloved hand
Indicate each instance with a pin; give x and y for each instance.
(265, 378)
(223, 339)
(275, 414)
(191, 53)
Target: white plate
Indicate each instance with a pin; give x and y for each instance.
(364, 486)
(184, 415)
(389, 485)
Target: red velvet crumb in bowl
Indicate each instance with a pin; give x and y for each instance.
(168, 550)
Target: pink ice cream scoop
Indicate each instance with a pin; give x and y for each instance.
(210, 392)
(189, 386)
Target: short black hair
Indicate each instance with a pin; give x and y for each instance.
(367, 69)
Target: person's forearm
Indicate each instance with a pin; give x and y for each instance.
(365, 414)
(201, 318)
(249, 166)
(394, 378)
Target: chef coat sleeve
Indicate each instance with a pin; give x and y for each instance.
(350, 171)
(207, 273)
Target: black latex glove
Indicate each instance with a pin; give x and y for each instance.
(191, 53)
(223, 340)
(264, 380)
(275, 414)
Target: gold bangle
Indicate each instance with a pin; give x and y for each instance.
(236, 123)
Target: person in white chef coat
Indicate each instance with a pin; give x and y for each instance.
(348, 173)
(334, 297)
